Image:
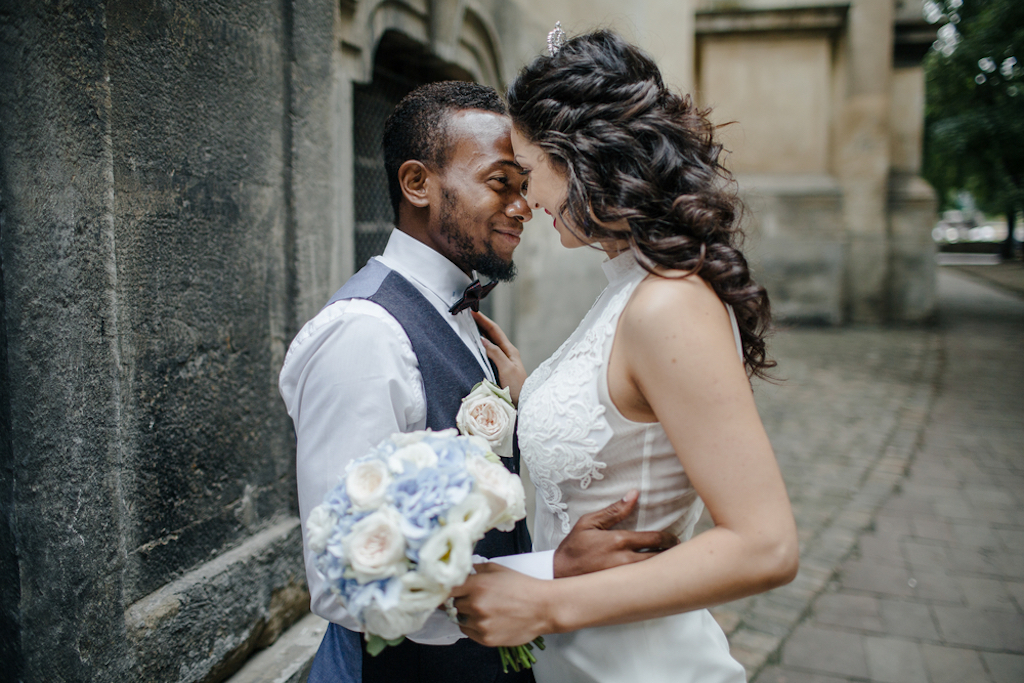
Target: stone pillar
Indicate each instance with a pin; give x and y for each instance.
(62, 448)
(862, 159)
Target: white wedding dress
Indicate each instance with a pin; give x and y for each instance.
(583, 455)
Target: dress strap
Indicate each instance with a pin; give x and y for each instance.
(735, 330)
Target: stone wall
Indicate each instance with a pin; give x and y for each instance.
(146, 194)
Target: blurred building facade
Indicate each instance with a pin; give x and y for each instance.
(183, 184)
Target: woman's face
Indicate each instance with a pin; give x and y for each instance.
(546, 187)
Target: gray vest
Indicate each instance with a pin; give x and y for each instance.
(449, 371)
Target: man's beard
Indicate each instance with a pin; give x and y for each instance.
(485, 263)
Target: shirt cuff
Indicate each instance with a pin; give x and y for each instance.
(540, 565)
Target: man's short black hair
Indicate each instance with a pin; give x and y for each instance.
(417, 128)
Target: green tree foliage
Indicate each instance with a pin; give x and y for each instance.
(974, 113)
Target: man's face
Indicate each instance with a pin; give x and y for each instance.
(481, 209)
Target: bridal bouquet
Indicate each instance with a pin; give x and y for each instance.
(397, 534)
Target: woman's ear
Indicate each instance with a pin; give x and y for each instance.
(414, 179)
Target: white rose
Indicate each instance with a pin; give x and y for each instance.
(502, 489)
(446, 557)
(419, 454)
(319, 527)
(375, 546)
(475, 512)
(488, 412)
(367, 484)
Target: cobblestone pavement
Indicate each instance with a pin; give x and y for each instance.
(903, 452)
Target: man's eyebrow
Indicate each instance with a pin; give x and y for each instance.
(505, 162)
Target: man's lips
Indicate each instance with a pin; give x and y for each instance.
(511, 235)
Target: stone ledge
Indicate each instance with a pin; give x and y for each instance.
(259, 588)
(825, 17)
(289, 659)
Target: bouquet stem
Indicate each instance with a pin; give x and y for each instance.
(520, 656)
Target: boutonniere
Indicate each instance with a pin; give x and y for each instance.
(488, 412)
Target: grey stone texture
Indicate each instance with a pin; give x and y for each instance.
(144, 202)
(926, 585)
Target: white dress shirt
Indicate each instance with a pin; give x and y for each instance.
(350, 380)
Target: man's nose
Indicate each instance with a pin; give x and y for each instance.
(519, 209)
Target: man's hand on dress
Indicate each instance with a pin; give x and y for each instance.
(593, 545)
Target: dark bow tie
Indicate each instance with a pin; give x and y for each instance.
(472, 296)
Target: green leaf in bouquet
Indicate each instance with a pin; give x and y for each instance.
(375, 644)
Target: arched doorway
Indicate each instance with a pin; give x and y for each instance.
(400, 65)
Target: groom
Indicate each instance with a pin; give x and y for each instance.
(388, 354)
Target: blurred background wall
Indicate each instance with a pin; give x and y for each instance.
(183, 184)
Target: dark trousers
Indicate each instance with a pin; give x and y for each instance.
(342, 658)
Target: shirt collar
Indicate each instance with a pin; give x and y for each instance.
(414, 259)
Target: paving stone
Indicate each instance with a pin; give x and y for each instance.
(894, 661)
(1005, 668)
(984, 629)
(972, 535)
(875, 578)
(989, 497)
(1017, 591)
(848, 611)
(888, 525)
(909, 619)
(952, 665)
(924, 555)
(936, 587)
(826, 651)
(986, 594)
(1011, 565)
(780, 674)
(1013, 539)
(931, 528)
(980, 561)
(883, 550)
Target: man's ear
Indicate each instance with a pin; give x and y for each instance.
(415, 179)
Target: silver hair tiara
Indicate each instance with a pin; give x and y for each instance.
(556, 39)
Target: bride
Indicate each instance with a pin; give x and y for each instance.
(650, 396)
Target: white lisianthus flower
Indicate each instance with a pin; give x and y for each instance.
(393, 623)
(475, 512)
(319, 526)
(502, 489)
(367, 484)
(419, 454)
(488, 412)
(420, 593)
(375, 546)
(402, 439)
(446, 557)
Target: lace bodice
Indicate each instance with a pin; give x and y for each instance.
(581, 452)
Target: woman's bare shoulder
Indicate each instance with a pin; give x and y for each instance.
(673, 295)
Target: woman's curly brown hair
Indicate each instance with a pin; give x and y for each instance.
(632, 149)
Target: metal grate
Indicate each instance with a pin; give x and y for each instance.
(371, 106)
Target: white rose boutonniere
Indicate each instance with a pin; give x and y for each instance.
(488, 413)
